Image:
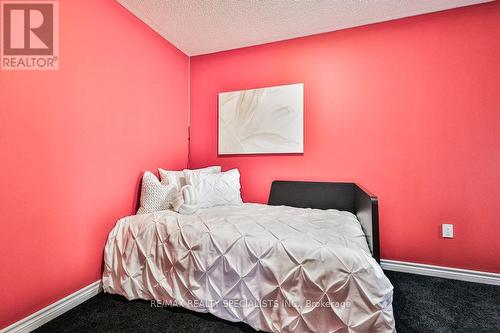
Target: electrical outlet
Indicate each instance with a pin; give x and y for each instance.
(447, 230)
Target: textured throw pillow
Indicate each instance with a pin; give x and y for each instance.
(155, 196)
(218, 189)
(178, 178)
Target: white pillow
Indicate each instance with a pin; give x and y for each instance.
(175, 178)
(155, 196)
(178, 178)
(218, 189)
(185, 201)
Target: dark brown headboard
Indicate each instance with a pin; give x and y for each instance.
(342, 196)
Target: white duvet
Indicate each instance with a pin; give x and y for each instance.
(276, 268)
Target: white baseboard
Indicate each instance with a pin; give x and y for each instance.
(442, 272)
(54, 310)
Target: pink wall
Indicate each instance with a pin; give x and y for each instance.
(409, 109)
(73, 144)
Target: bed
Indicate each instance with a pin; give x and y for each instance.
(306, 262)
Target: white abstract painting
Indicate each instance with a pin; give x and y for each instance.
(262, 121)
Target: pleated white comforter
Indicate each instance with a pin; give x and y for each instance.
(279, 269)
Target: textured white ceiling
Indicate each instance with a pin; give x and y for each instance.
(205, 26)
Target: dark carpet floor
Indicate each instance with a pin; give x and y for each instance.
(421, 304)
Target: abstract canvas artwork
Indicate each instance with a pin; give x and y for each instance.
(262, 121)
